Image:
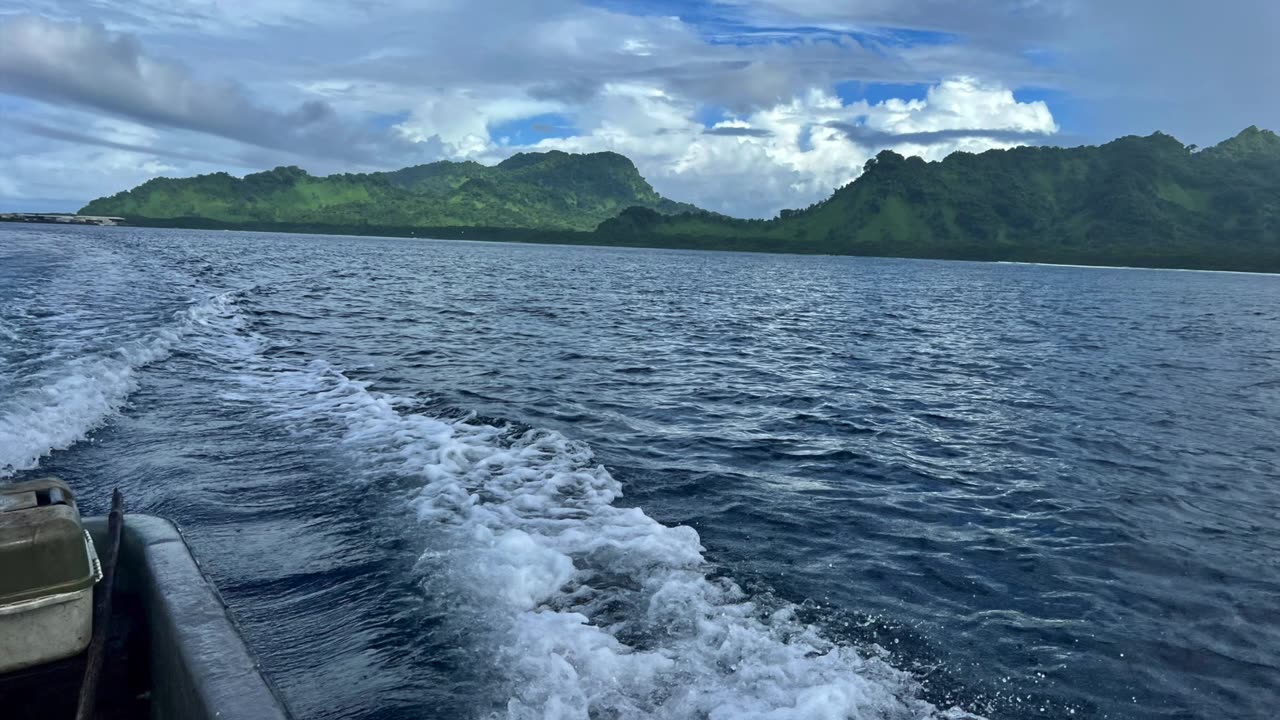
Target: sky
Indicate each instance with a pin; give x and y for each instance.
(740, 106)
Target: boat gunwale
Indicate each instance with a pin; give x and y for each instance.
(201, 666)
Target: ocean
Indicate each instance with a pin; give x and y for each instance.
(441, 479)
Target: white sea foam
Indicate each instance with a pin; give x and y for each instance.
(80, 394)
(590, 610)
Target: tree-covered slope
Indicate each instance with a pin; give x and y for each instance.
(1146, 201)
(1136, 201)
(552, 190)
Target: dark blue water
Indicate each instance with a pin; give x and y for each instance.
(441, 479)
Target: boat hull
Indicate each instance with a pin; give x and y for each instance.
(174, 651)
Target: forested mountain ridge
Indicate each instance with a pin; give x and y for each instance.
(552, 190)
(1147, 201)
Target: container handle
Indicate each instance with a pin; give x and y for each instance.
(95, 565)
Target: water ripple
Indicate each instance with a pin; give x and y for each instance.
(1042, 492)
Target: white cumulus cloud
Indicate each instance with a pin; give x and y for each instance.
(360, 86)
(794, 153)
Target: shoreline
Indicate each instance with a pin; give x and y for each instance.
(578, 238)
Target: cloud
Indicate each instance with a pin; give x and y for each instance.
(1199, 70)
(793, 153)
(360, 84)
(66, 173)
(458, 121)
(60, 158)
(733, 131)
(999, 21)
(959, 107)
(62, 133)
(84, 65)
(864, 135)
(212, 16)
(567, 52)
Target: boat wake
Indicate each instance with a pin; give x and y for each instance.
(76, 395)
(585, 608)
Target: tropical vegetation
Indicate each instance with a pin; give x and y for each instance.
(552, 190)
(1145, 201)
(1148, 201)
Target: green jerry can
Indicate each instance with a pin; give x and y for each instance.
(48, 568)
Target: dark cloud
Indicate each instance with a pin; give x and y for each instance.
(86, 66)
(738, 132)
(870, 137)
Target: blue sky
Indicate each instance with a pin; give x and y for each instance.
(741, 106)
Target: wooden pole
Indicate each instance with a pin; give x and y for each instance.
(102, 612)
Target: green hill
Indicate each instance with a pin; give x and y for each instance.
(1146, 201)
(546, 191)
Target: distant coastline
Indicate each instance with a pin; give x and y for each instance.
(594, 239)
(1149, 202)
(61, 218)
(570, 238)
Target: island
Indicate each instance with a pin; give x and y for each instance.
(544, 191)
(1136, 201)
